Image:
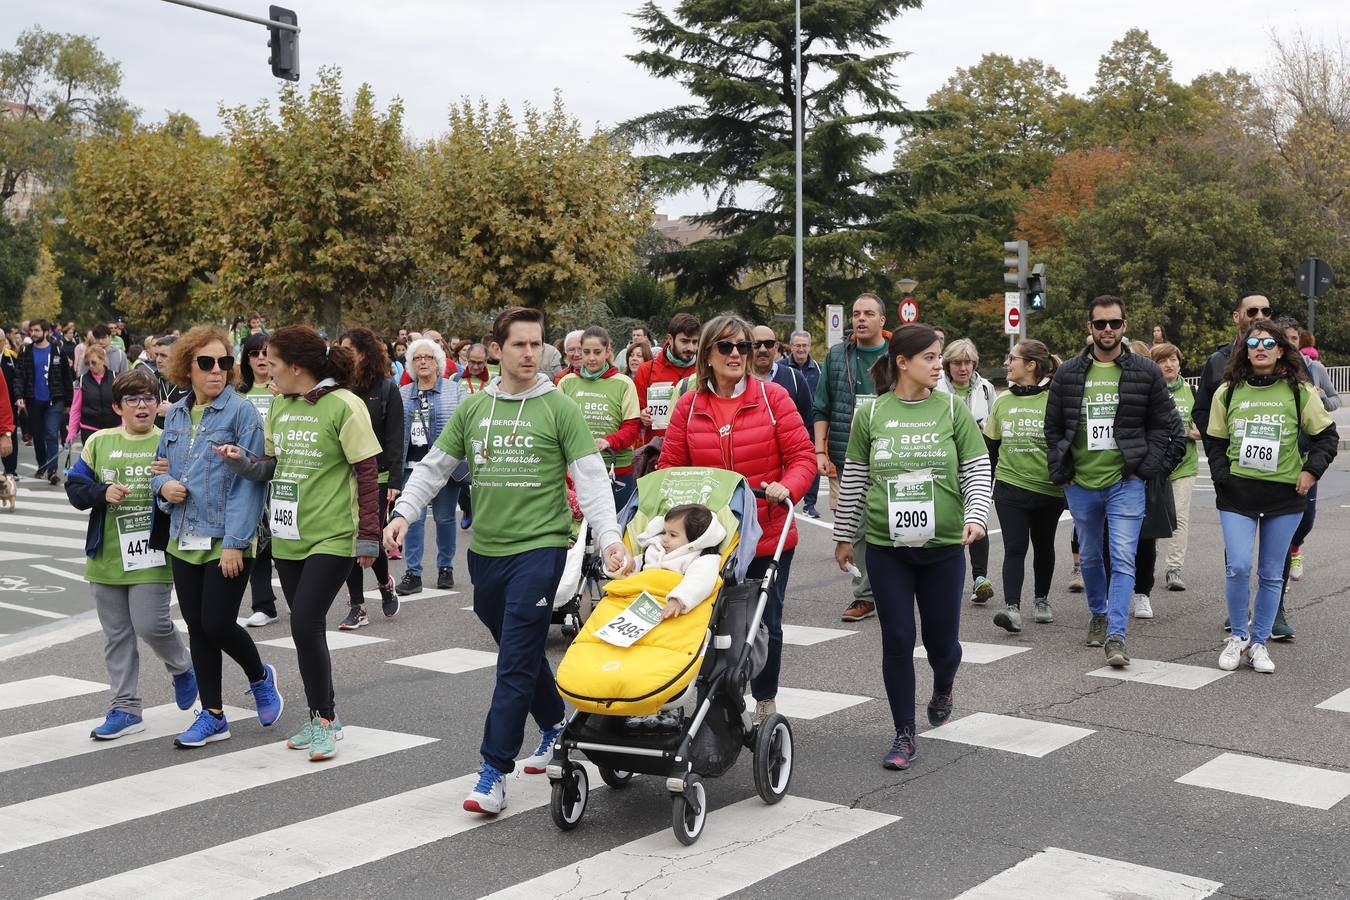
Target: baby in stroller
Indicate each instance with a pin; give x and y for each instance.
(685, 541)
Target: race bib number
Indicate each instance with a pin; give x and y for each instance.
(418, 438)
(1101, 426)
(910, 511)
(860, 399)
(284, 518)
(194, 542)
(658, 400)
(1260, 448)
(631, 625)
(133, 541)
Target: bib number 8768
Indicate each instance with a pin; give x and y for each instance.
(911, 518)
(1258, 452)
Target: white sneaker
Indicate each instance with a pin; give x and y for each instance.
(259, 619)
(489, 795)
(1143, 608)
(1296, 567)
(1259, 659)
(1232, 652)
(537, 762)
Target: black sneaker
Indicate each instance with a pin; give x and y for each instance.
(940, 708)
(356, 618)
(411, 584)
(389, 599)
(53, 477)
(445, 579)
(1281, 630)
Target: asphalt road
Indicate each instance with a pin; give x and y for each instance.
(1235, 788)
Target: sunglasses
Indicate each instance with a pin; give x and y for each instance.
(765, 345)
(140, 400)
(207, 363)
(1103, 324)
(1254, 311)
(254, 353)
(741, 347)
(1266, 343)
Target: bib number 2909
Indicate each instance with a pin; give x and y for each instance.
(910, 511)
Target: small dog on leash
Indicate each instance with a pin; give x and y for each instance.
(9, 492)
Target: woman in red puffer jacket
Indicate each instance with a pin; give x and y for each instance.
(736, 422)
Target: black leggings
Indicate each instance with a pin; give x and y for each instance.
(260, 582)
(357, 576)
(1145, 561)
(979, 558)
(931, 578)
(310, 586)
(210, 605)
(1028, 519)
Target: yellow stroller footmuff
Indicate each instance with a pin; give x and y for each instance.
(598, 677)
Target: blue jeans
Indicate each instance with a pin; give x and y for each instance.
(764, 686)
(624, 486)
(44, 417)
(1239, 540)
(1122, 506)
(513, 597)
(443, 510)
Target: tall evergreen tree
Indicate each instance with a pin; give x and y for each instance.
(736, 141)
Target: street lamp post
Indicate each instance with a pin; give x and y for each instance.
(797, 146)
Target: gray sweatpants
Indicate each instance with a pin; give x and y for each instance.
(132, 611)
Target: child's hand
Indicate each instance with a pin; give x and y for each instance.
(672, 609)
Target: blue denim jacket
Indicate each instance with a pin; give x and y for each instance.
(220, 504)
(450, 394)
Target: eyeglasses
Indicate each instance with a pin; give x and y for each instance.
(140, 400)
(1011, 358)
(1103, 324)
(422, 357)
(207, 363)
(726, 347)
(1266, 343)
(765, 345)
(1254, 311)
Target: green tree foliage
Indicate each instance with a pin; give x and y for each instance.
(146, 203)
(42, 293)
(502, 211)
(1134, 100)
(18, 259)
(310, 229)
(735, 142)
(66, 89)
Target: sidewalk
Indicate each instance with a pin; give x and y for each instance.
(1342, 419)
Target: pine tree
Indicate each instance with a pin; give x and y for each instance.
(736, 142)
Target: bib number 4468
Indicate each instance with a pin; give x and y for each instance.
(285, 510)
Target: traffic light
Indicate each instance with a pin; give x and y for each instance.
(1015, 258)
(284, 44)
(1036, 288)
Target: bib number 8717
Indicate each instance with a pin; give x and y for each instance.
(1102, 431)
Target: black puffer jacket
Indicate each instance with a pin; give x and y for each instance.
(1148, 429)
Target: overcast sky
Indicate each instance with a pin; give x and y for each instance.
(430, 52)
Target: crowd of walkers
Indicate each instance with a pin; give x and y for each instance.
(213, 458)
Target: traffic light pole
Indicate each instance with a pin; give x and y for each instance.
(256, 20)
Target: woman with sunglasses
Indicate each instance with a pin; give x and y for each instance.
(1263, 408)
(322, 464)
(1029, 504)
(255, 384)
(916, 482)
(213, 515)
(736, 422)
(608, 401)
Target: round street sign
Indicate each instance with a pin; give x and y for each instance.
(1014, 317)
(909, 311)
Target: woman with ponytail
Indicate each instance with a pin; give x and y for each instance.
(1029, 504)
(916, 482)
(320, 458)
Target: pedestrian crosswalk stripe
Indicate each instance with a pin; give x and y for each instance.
(49, 541)
(52, 509)
(1092, 878)
(979, 654)
(808, 635)
(337, 640)
(799, 703)
(1025, 736)
(742, 844)
(296, 854)
(454, 661)
(34, 611)
(1165, 674)
(44, 689)
(1338, 703)
(81, 524)
(32, 748)
(424, 594)
(1271, 780)
(52, 570)
(86, 809)
(15, 555)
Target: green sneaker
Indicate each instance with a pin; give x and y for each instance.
(324, 736)
(305, 737)
(1281, 630)
(1115, 653)
(1097, 630)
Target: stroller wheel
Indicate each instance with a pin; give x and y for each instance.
(569, 626)
(568, 803)
(615, 778)
(689, 810)
(773, 758)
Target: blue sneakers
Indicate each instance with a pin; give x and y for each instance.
(185, 689)
(205, 729)
(489, 795)
(266, 697)
(118, 723)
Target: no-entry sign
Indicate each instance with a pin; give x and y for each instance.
(1012, 312)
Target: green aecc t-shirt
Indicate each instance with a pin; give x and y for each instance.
(1018, 423)
(1097, 462)
(116, 456)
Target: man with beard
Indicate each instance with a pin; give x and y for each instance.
(766, 365)
(1110, 425)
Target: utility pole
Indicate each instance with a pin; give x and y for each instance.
(797, 145)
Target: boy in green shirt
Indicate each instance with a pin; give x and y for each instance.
(131, 581)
